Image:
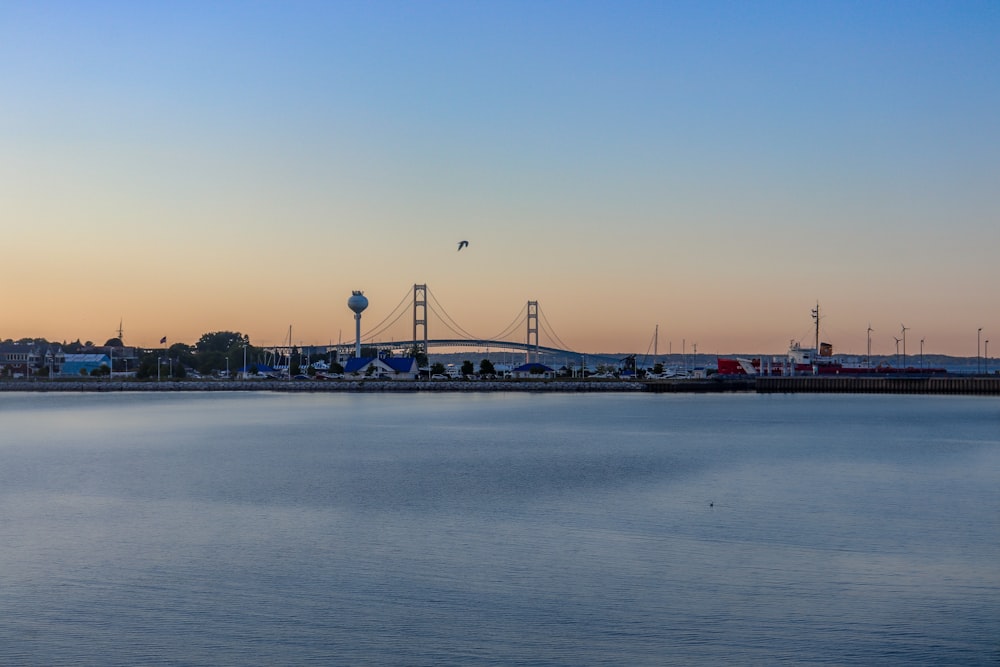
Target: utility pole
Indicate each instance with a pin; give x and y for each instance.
(904, 329)
(978, 337)
(870, 330)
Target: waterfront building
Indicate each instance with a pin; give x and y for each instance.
(80, 364)
(393, 368)
(533, 370)
(28, 359)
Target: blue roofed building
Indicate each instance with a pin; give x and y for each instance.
(393, 368)
(533, 370)
(84, 364)
(256, 370)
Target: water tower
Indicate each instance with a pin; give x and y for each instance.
(357, 303)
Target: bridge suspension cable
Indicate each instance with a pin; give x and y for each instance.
(460, 334)
(512, 327)
(371, 336)
(385, 323)
(551, 333)
(458, 328)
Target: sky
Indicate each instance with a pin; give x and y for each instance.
(713, 169)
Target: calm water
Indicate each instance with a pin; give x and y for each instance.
(462, 529)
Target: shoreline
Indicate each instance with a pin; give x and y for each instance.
(308, 387)
(950, 385)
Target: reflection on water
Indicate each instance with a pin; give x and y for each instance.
(502, 529)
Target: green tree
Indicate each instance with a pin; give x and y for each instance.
(417, 353)
(221, 341)
(486, 367)
(208, 362)
(468, 368)
(437, 368)
(152, 365)
(182, 354)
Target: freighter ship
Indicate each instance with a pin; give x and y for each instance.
(818, 360)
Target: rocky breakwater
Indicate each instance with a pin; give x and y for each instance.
(316, 386)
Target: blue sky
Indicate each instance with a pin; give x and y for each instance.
(715, 168)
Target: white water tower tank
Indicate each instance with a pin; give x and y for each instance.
(357, 303)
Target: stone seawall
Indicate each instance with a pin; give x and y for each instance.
(314, 386)
(762, 385)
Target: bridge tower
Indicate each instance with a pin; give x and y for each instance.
(532, 331)
(420, 312)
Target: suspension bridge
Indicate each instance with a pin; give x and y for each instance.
(525, 333)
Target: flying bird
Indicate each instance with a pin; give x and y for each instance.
(462, 244)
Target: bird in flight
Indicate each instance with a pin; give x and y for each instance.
(462, 244)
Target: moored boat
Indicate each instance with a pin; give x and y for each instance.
(818, 360)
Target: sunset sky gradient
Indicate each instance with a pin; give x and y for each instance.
(712, 167)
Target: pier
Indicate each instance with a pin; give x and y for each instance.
(956, 385)
(822, 384)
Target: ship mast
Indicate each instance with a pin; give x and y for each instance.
(815, 314)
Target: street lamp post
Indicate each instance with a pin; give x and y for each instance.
(904, 328)
(921, 353)
(986, 361)
(870, 330)
(978, 336)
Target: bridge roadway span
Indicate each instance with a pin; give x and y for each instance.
(404, 345)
